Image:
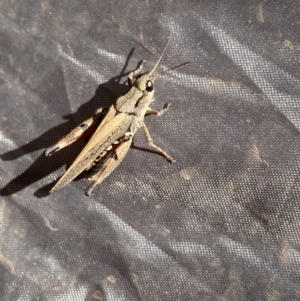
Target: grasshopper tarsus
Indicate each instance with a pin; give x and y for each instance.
(98, 112)
(50, 151)
(112, 135)
(170, 159)
(90, 190)
(166, 106)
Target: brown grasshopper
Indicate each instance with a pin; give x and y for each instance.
(112, 137)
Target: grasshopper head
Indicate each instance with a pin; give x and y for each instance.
(145, 84)
(146, 81)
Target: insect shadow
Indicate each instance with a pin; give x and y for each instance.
(42, 166)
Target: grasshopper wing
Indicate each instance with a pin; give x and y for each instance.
(104, 136)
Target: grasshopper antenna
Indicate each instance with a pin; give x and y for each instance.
(155, 66)
(172, 68)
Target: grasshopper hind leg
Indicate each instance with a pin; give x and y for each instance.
(85, 129)
(108, 163)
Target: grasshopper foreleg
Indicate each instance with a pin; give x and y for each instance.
(158, 112)
(134, 73)
(151, 143)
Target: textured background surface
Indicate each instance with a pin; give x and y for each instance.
(220, 224)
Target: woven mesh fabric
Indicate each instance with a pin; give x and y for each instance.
(222, 223)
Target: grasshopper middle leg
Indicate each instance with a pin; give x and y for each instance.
(152, 144)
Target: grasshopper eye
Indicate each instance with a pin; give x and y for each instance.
(149, 86)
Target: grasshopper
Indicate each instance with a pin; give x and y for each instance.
(112, 137)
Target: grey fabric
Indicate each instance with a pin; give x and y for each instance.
(222, 223)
